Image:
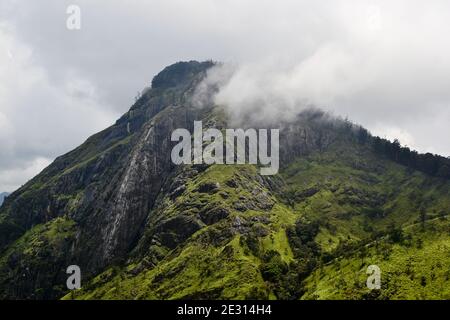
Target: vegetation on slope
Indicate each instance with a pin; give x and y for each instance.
(416, 266)
(142, 228)
(39, 256)
(290, 242)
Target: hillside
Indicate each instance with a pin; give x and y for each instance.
(324, 209)
(141, 227)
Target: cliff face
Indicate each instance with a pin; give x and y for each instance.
(141, 227)
(109, 184)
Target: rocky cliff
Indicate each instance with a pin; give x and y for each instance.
(141, 227)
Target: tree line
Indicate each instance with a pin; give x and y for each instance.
(432, 164)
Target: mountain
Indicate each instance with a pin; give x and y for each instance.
(3, 195)
(141, 227)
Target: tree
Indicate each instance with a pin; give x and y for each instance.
(419, 243)
(423, 217)
(444, 170)
(395, 149)
(377, 144)
(363, 135)
(395, 233)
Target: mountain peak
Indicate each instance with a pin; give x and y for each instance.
(121, 210)
(178, 73)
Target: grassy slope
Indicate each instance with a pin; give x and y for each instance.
(357, 194)
(199, 269)
(416, 270)
(359, 197)
(354, 197)
(45, 245)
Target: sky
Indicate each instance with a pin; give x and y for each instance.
(383, 64)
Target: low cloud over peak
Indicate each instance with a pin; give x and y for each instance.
(383, 64)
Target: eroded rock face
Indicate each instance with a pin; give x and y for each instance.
(214, 215)
(108, 185)
(123, 196)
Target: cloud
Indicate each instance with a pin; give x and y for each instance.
(12, 176)
(385, 68)
(384, 64)
(38, 119)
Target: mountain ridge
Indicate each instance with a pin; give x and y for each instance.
(117, 207)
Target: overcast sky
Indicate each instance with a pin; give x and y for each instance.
(384, 64)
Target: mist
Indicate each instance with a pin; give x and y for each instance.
(382, 64)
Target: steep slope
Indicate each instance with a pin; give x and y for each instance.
(324, 205)
(142, 228)
(417, 267)
(106, 188)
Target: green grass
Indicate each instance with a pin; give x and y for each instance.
(44, 247)
(351, 194)
(198, 269)
(419, 270)
(337, 192)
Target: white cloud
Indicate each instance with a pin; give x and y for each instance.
(11, 177)
(383, 66)
(39, 119)
(373, 61)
